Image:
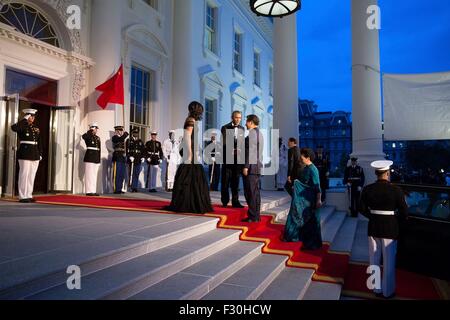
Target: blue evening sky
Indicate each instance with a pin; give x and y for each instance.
(415, 38)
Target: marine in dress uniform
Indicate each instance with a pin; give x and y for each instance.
(155, 155)
(214, 168)
(231, 171)
(354, 179)
(136, 156)
(91, 159)
(283, 166)
(171, 151)
(119, 158)
(252, 169)
(384, 205)
(323, 165)
(28, 155)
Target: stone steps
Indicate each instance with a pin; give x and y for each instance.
(20, 281)
(130, 277)
(291, 284)
(323, 291)
(250, 281)
(198, 280)
(346, 236)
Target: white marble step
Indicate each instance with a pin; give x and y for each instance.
(196, 281)
(280, 212)
(332, 226)
(19, 280)
(360, 248)
(326, 213)
(249, 282)
(291, 284)
(323, 291)
(343, 241)
(276, 202)
(130, 277)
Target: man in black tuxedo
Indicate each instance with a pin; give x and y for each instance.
(252, 169)
(293, 164)
(231, 170)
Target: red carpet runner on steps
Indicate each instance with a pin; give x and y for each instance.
(329, 266)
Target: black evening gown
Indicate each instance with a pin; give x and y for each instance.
(190, 190)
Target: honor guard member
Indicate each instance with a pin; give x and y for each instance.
(171, 150)
(323, 165)
(354, 179)
(28, 155)
(384, 205)
(91, 159)
(136, 157)
(119, 158)
(155, 156)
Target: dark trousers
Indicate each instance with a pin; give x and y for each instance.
(230, 178)
(134, 176)
(119, 172)
(323, 187)
(252, 196)
(354, 201)
(216, 178)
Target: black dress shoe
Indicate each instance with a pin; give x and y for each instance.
(238, 205)
(24, 201)
(310, 248)
(95, 195)
(134, 191)
(251, 220)
(153, 191)
(118, 192)
(89, 194)
(32, 200)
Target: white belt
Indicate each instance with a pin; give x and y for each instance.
(29, 142)
(383, 213)
(95, 149)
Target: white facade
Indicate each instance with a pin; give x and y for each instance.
(167, 42)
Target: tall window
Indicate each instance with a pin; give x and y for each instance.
(210, 106)
(237, 51)
(271, 80)
(152, 3)
(211, 28)
(140, 92)
(257, 68)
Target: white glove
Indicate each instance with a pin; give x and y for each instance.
(359, 189)
(160, 161)
(131, 159)
(27, 116)
(149, 159)
(142, 160)
(40, 158)
(213, 159)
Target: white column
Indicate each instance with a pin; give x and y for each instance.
(106, 50)
(285, 106)
(184, 75)
(367, 127)
(285, 116)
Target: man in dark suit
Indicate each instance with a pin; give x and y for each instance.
(232, 168)
(29, 154)
(293, 164)
(252, 169)
(155, 156)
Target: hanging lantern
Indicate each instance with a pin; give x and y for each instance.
(275, 8)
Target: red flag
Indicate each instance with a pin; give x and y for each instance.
(112, 90)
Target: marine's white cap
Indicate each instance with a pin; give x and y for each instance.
(382, 165)
(172, 131)
(30, 111)
(93, 125)
(154, 133)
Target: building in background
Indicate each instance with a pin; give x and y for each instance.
(173, 51)
(332, 130)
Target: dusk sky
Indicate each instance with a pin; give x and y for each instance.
(415, 38)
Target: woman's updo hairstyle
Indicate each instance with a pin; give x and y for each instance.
(196, 110)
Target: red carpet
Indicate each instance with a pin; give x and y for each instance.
(329, 266)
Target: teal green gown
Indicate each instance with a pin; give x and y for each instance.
(303, 222)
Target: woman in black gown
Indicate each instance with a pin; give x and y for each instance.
(191, 191)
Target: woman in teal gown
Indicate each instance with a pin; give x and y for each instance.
(303, 222)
